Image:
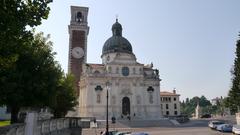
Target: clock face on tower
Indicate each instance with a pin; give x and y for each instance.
(77, 52)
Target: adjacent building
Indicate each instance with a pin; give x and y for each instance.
(4, 113)
(217, 100)
(170, 103)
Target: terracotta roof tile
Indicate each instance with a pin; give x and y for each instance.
(166, 93)
(96, 65)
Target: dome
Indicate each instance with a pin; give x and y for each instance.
(117, 43)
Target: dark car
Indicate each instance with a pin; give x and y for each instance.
(206, 116)
(110, 132)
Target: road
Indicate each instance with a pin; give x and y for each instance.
(183, 131)
(194, 127)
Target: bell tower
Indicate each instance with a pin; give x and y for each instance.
(78, 32)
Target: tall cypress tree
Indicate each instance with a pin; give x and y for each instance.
(234, 93)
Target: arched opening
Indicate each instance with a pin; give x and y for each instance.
(79, 17)
(125, 106)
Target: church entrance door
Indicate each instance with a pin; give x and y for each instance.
(125, 106)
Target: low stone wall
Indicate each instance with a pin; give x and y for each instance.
(61, 126)
(51, 126)
(238, 118)
(15, 129)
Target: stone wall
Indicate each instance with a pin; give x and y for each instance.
(238, 118)
(61, 126)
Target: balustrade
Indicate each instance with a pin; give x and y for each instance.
(46, 127)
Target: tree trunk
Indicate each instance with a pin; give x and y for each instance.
(14, 114)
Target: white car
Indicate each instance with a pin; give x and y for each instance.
(236, 129)
(141, 133)
(123, 133)
(214, 124)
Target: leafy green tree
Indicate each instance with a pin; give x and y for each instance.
(233, 99)
(187, 100)
(65, 98)
(204, 102)
(34, 79)
(189, 106)
(23, 57)
(16, 15)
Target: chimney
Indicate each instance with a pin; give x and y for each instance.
(174, 91)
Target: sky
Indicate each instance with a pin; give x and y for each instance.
(191, 42)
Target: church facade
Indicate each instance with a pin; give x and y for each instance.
(133, 88)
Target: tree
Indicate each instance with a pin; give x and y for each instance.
(65, 98)
(29, 75)
(189, 106)
(187, 100)
(204, 102)
(23, 57)
(233, 99)
(15, 16)
(34, 79)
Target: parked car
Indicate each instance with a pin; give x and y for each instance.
(236, 129)
(110, 132)
(141, 133)
(214, 124)
(206, 116)
(123, 133)
(225, 128)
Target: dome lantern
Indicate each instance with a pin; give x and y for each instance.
(117, 29)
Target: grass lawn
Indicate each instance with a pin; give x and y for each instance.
(4, 123)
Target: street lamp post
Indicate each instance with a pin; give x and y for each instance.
(107, 87)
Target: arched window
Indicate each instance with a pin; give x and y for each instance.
(96, 72)
(138, 99)
(109, 69)
(150, 90)
(117, 70)
(98, 98)
(151, 98)
(108, 58)
(79, 17)
(140, 71)
(113, 101)
(134, 71)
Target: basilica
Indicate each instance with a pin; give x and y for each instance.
(133, 88)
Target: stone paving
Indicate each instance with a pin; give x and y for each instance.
(193, 127)
(163, 131)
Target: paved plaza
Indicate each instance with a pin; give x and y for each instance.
(193, 127)
(163, 131)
